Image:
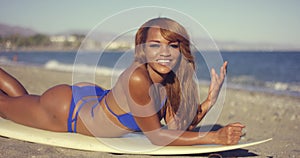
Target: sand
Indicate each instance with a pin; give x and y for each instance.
(265, 115)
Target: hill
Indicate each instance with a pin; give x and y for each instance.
(6, 30)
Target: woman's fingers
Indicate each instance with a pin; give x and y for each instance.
(219, 78)
(223, 70)
(237, 124)
(232, 133)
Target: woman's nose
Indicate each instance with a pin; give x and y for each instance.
(164, 51)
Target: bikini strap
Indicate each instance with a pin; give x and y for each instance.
(109, 108)
(74, 120)
(99, 99)
(163, 102)
(70, 118)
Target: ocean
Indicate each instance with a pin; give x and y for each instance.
(272, 72)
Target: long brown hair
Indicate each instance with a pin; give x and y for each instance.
(182, 95)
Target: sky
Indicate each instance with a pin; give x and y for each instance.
(252, 21)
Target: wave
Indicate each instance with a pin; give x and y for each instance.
(7, 61)
(252, 84)
(4, 60)
(82, 68)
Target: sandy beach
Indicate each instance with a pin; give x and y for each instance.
(265, 116)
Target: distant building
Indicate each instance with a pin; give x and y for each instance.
(62, 39)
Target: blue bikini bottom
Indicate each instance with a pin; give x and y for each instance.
(78, 94)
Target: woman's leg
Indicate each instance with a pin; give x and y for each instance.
(11, 86)
(48, 111)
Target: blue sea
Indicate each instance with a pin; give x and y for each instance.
(272, 72)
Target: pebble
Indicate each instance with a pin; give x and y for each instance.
(293, 117)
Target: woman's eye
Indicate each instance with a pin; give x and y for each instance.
(175, 46)
(154, 45)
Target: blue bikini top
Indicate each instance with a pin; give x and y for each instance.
(127, 119)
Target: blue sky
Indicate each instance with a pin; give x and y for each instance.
(253, 21)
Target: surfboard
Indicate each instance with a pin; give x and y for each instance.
(129, 144)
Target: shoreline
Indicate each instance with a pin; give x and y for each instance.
(265, 116)
(233, 86)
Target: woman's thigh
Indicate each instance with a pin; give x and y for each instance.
(48, 111)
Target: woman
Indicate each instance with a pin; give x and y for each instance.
(158, 84)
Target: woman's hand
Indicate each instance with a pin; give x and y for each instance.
(230, 134)
(214, 89)
(216, 84)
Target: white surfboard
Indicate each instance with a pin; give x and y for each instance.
(131, 144)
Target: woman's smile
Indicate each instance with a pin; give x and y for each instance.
(165, 62)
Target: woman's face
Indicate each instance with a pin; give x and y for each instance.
(162, 55)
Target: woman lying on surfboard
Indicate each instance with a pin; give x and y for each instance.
(158, 85)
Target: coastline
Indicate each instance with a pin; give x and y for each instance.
(265, 115)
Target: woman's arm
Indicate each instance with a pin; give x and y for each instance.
(227, 135)
(151, 127)
(142, 106)
(213, 93)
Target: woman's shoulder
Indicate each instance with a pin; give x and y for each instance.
(135, 81)
(136, 74)
(139, 84)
